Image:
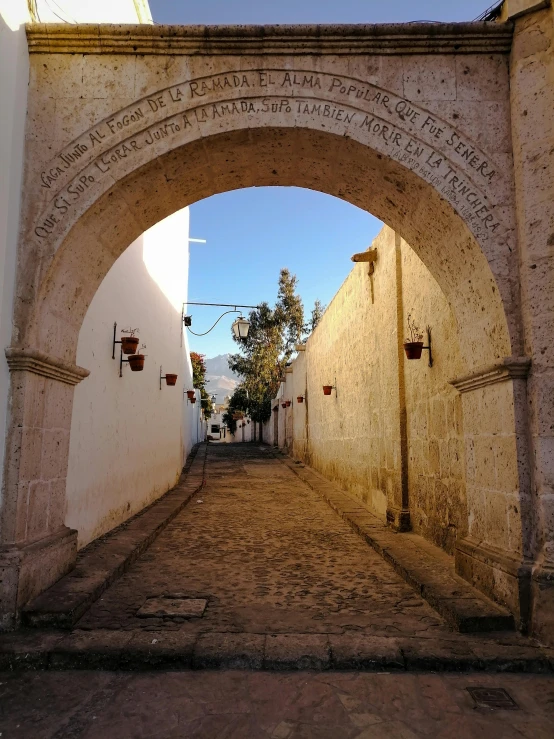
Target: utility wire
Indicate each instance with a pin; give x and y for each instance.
(491, 13)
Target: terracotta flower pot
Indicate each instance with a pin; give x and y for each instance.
(129, 344)
(288, 403)
(193, 400)
(191, 394)
(275, 409)
(413, 349)
(136, 362)
(300, 399)
(170, 379)
(327, 389)
(283, 405)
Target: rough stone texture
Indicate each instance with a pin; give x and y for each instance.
(426, 568)
(356, 436)
(270, 557)
(108, 557)
(236, 705)
(173, 607)
(436, 451)
(532, 98)
(412, 123)
(289, 586)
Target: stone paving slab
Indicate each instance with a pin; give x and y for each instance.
(242, 704)
(109, 557)
(428, 570)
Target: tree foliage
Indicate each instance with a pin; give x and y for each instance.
(273, 335)
(199, 381)
(317, 313)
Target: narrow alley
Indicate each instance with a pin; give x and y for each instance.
(270, 557)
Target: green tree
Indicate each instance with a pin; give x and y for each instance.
(199, 381)
(317, 313)
(273, 335)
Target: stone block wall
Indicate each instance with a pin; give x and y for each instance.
(391, 432)
(435, 433)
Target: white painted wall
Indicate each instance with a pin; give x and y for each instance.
(129, 439)
(14, 74)
(87, 11)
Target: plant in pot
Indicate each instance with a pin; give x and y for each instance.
(129, 344)
(413, 346)
(136, 361)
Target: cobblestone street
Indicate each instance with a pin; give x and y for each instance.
(270, 557)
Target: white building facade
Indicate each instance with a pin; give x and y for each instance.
(130, 435)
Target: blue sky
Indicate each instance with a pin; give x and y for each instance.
(252, 233)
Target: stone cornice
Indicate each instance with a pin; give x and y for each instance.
(511, 368)
(401, 38)
(39, 363)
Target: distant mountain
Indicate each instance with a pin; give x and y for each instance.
(222, 381)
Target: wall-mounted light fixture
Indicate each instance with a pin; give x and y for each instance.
(328, 389)
(169, 378)
(240, 326)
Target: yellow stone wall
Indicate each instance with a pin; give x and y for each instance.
(357, 435)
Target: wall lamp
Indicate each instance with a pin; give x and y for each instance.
(240, 326)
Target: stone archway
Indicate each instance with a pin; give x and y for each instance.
(412, 124)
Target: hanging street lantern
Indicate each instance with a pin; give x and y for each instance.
(240, 327)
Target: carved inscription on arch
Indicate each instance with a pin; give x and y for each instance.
(182, 113)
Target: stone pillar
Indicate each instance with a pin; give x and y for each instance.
(496, 554)
(36, 548)
(532, 103)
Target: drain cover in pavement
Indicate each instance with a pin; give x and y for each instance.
(492, 698)
(173, 607)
